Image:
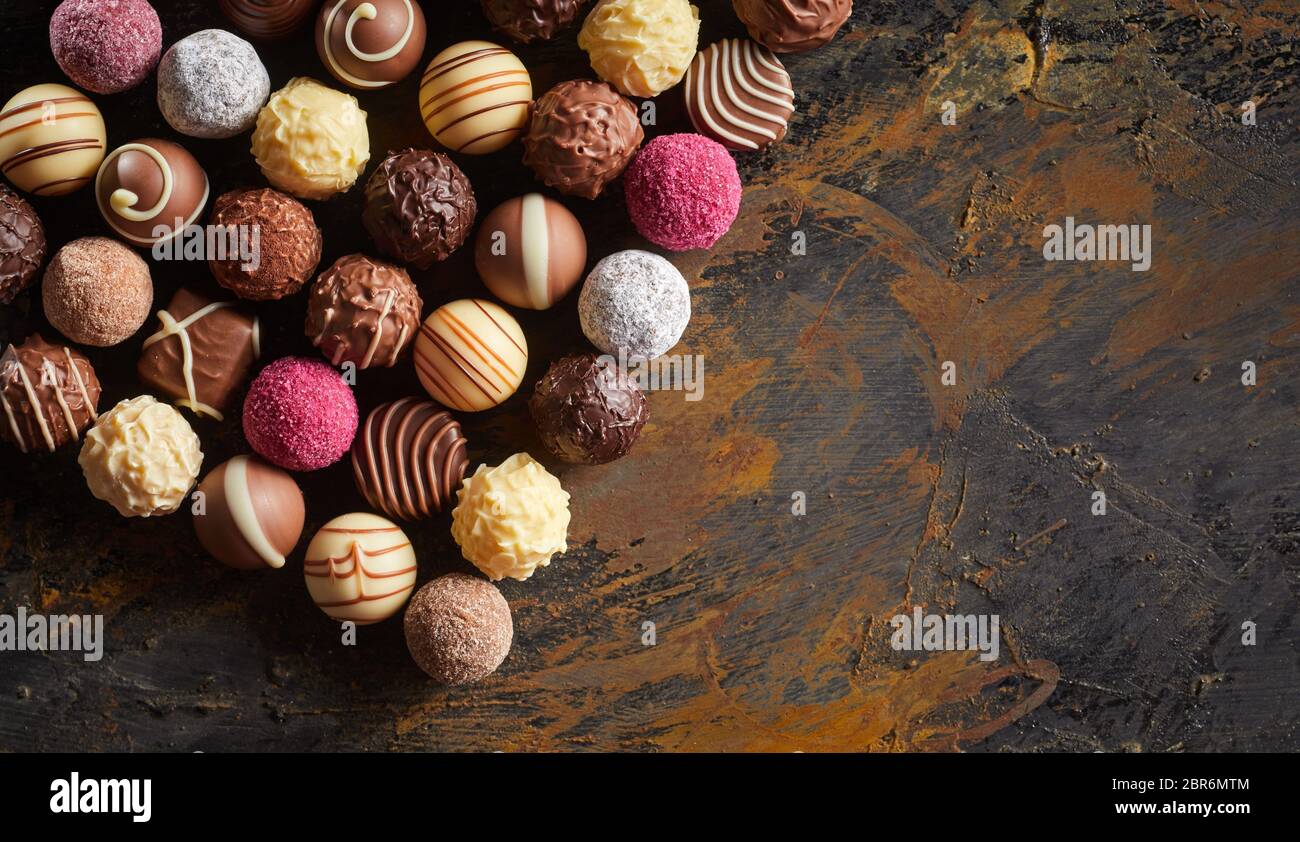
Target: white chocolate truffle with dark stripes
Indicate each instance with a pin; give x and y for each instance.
(251, 514)
(474, 97)
(360, 567)
(470, 355)
(530, 251)
(739, 94)
(51, 140)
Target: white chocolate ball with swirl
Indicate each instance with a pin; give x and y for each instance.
(738, 93)
(141, 457)
(370, 44)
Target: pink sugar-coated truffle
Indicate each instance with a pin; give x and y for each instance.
(683, 191)
(106, 46)
(299, 414)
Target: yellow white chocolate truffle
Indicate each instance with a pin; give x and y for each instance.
(142, 457)
(511, 519)
(641, 47)
(311, 140)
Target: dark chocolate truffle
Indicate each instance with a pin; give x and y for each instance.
(792, 26)
(49, 394)
(530, 251)
(419, 207)
(531, 20)
(22, 244)
(252, 514)
(370, 44)
(267, 20)
(458, 628)
(587, 411)
(202, 353)
(149, 190)
(363, 311)
(287, 249)
(408, 458)
(581, 136)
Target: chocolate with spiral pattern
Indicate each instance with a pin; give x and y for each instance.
(409, 458)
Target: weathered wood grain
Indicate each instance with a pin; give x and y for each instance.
(1120, 633)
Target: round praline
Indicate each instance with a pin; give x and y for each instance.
(634, 304)
(470, 355)
(370, 44)
(526, 21)
(150, 190)
(211, 85)
(300, 414)
(252, 514)
(267, 20)
(360, 568)
(363, 311)
(587, 411)
(792, 26)
(420, 207)
(581, 136)
(51, 139)
(106, 47)
(683, 191)
(97, 291)
(530, 251)
(475, 96)
(458, 629)
(409, 458)
(49, 395)
(22, 244)
(288, 243)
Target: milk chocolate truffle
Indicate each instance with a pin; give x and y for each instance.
(792, 26)
(105, 46)
(97, 291)
(267, 20)
(288, 244)
(634, 303)
(212, 84)
(370, 44)
(141, 457)
(641, 47)
(586, 410)
(51, 139)
(526, 21)
(530, 251)
(360, 567)
(739, 94)
(511, 519)
(363, 311)
(474, 97)
(311, 141)
(22, 244)
(581, 136)
(201, 354)
(150, 190)
(419, 207)
(470, 355)
(49, 394)
(252, 514)
(409, 458)
(458, 628)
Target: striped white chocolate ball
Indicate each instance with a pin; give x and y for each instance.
(51, 140)
(470, 355)
(474, 97)
(360, 567)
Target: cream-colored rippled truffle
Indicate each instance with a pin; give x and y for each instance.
(641, 47)
(311, 140)
(511, 519)
(142, 457)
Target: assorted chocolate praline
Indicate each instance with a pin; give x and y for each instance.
(419, 207)
(586, 410)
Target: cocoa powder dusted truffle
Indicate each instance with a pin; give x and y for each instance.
(419, 207)
(288, 244)
(48, 394)
(363, 311)
(587, 411)
(531, 20)
(458, 628)
(581, 136)
(97, 291)
(22, 244)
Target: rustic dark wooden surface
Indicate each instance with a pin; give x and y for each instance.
(1120, 633)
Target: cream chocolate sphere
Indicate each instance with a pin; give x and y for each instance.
(474, 97)
(360, 567)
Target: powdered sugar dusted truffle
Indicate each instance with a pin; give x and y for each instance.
(105, 46)
(299, 414)
(636, 302)
(458, 628)
(211, 84)
(683, 191)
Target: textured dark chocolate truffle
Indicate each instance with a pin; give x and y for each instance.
(792, 26)
(363, 311)
(48, 395)
(22, 244)
(419, 207)
(581, 136)
(531, 20)
(289, 243)
(587, 411)
(458, 628)
(408, 458)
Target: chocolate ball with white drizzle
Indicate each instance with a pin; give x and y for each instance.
(363, 311)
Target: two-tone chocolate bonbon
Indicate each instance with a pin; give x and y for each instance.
(530, 251)
(370, 44)
(250, 515)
